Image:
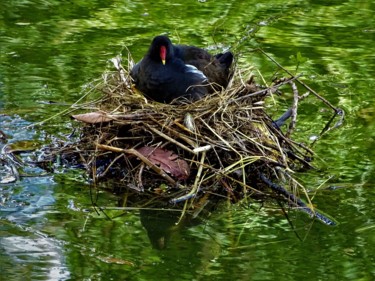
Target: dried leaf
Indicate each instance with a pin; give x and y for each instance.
(167, 161)
(93, 117)
(115, 260)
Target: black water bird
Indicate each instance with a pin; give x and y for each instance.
(171, 72)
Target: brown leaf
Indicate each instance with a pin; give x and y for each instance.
(115, 260)
(93, 117)
(167, 161)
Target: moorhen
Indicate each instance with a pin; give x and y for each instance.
(173, 72)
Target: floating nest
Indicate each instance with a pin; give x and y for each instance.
(181, 156)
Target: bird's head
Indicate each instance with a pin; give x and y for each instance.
(161, 49)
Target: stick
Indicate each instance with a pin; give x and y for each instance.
(177, 134)
(296, 201)
(275, 87)
(293, 122)
(195, 188)
(299, 81)
(168, 138)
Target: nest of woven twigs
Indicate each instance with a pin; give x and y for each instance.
(224, 145)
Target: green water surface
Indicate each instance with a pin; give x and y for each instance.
(50, 50)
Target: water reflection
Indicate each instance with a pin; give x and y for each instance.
(28, 254)
(50, 48)
(159, 226)
(162, 224)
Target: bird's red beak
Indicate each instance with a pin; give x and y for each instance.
(163, 54)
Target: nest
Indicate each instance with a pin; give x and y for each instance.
(223, 146)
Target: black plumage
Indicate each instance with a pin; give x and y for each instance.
(172, 72)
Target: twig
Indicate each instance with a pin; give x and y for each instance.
(219, 136)
(140, 172)
(337, 124)
(293, 122)
(296, 201)
(168, 138)
(302, 83)
(110, 165)
(195, 188)
(272, 88)
(327, 127)
(68, 110)
(177, 134)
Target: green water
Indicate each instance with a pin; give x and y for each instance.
(48, 230)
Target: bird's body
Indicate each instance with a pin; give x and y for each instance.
(215, 68)
(169, 72)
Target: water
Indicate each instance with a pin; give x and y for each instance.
(48, 229)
